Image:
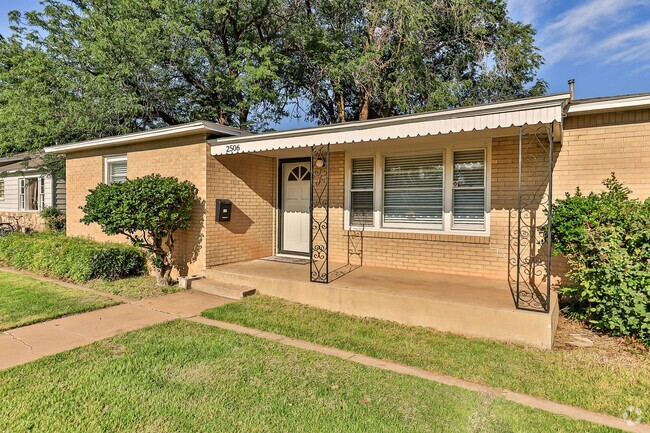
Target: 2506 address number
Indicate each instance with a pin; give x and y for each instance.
(232, 148)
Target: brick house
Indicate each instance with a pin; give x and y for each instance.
(431, 219)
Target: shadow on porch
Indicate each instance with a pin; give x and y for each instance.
(476, 307)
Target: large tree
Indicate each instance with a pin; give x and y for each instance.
(356, 59)
(82, 69)
(88, 68)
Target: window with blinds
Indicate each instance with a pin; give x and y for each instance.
(116, 169)
(362, 192)
(413, 189)
(469, 190)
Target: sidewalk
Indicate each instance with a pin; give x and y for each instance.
(25, 344)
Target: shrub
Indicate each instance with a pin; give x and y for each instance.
(69, 258)
(54, 219)
(148, 211)
(606, 240)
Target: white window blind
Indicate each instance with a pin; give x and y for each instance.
(116, 170)
(469, 190)
(362, 192)
(413, 189)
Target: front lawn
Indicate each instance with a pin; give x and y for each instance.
(584, 378)
(133, 287)
(186, 377)
(25, 300)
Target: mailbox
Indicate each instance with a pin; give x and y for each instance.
(224, 209)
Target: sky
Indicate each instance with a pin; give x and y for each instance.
(603, 44)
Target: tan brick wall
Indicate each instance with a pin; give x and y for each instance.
(184, 158)
(249, 181)
(598, 144)
(454, 254)
(592, 147)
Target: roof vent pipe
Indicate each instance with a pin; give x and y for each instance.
(572, 90)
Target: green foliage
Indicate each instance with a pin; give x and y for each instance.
(148, 211)
(606, 240)
(54, 219)
(360, 59)
(65, 76)
(69, 258)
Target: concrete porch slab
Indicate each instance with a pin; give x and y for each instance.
(476, 307)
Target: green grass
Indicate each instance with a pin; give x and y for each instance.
(134, 287)
(185, 377)
(25, 300)
(582, 378)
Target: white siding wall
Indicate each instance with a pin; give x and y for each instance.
(10, 203)
(59, 194)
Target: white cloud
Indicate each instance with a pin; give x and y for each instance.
(526, 11)
(597, 30)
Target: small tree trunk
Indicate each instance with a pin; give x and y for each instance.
(164, 276)
(364, 110)
(340, 107)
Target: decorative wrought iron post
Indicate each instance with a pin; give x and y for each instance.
(319, 201)
(533, 244)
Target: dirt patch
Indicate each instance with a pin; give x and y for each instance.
(114, 348)
(606, 348)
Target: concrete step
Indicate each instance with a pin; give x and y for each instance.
(219, 288)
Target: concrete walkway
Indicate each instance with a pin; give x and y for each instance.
(28, 343)
(523, 399)
(21, 345)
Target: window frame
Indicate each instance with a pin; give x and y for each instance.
(3, 189)
(40, 193)
(108, 161)
(414, 226)
(447, 149)
(374, 188)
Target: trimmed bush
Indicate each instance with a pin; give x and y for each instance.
(74, 259)
(606, 240)
(54, 219)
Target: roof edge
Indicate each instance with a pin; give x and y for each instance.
(605, 104)
(498, 107)
(152, 134)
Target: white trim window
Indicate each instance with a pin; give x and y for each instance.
(362, 192)
(469, 190)
(413, 191)
(31, 194)
(2, 190)
(115, 169)
(445, 189)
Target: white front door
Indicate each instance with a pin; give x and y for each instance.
(296, 186)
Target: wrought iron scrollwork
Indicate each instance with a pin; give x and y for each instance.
(355, 248)
(530, 224)
(319, 213)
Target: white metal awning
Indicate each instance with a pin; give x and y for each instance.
(529, 111)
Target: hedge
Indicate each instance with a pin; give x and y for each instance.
(605, 238)
(69, 258)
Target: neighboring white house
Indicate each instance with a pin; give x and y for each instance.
(26, 188)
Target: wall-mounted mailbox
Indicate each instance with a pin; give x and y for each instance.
(224, 209)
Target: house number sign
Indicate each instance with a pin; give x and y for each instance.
(232, 148)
